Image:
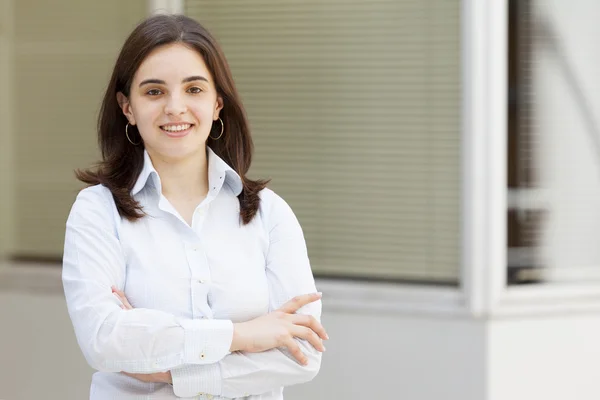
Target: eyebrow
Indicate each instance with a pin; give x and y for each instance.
(186, 80)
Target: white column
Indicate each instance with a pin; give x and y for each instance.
(166, 6)
(7, 110)
(484, 114)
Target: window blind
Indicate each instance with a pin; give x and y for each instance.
(355, 112)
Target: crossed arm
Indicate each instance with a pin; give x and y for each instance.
(281, 348)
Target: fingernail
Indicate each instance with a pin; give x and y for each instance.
(327, 336)
(324, 348)
(319, 293)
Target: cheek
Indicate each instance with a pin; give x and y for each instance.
(147, 113)
(203, 114)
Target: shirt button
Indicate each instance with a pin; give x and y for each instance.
(201, 281)
(202, 356)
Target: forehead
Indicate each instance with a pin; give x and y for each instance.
(172, 62)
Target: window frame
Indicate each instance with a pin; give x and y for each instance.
(483, 289)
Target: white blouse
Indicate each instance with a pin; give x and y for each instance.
(188, 285)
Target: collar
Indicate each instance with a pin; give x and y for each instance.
(219, 172)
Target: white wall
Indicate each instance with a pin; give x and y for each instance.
(369, 355)
(379, 355)
(546, 358)
(399, 356)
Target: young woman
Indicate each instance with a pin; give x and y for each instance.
(183, 277)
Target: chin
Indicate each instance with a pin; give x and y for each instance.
(178, 151)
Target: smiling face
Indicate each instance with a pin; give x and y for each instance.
(173, 102)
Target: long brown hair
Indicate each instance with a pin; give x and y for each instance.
(122, 162)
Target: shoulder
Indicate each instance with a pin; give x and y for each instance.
(94, 196)
(271, 202)
(275, 210)
(95, 203)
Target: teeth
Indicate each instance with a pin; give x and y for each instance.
(176, 128)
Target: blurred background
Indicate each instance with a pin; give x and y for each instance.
(442, 156)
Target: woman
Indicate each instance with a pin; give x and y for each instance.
(184, 278)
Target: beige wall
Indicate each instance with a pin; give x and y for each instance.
(6, 114)
(58, 58)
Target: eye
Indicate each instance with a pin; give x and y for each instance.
(153, 92)
(194, 90)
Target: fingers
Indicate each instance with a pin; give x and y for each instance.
(310, 322)
(298, 302)
(121, 296)
(295, 351)
(308, 335)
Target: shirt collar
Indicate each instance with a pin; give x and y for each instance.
(218, 171)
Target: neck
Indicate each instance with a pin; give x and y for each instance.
(182, 178)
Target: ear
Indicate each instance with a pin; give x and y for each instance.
(125, 107)
(218, 108)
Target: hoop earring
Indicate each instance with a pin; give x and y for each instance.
(221, 134)
(127, 134)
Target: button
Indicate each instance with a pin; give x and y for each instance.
(200, 211)
(193, 247)
(201, 281)
(202, 356)
(155, 364)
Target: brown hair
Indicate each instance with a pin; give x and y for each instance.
(122, 162)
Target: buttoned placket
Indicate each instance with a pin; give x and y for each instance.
(198, 263)
(196, 254)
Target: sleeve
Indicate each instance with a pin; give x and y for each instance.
(112, 339)
(289, 274)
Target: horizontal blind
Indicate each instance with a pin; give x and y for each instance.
(64, 52)
(355, 111)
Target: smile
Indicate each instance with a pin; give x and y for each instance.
(176, 130)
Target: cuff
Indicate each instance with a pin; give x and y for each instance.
(206, 341)
(197, 380)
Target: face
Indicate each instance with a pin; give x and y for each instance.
(173, 102)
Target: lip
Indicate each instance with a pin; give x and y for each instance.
(177, 134)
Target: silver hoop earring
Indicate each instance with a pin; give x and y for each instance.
(222, 129)
(127, 134)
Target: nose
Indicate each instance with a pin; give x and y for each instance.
(175, 105)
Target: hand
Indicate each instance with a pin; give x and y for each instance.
(159, 377)
(279, 328)
(121, 296)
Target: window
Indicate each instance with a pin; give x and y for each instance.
(355, 111)
(554, 142)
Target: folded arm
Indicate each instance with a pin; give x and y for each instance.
(113, 339)
(289, 275)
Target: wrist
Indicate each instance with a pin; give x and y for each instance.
(236, 341)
